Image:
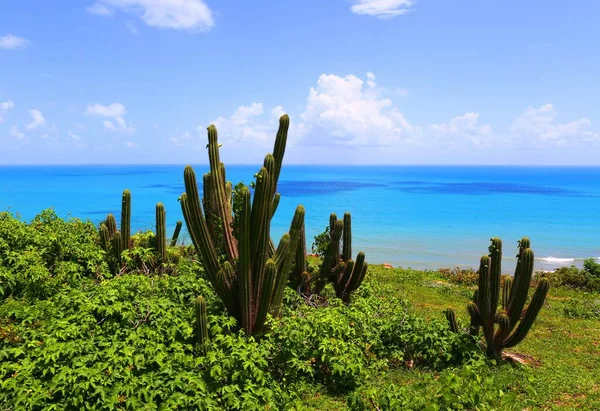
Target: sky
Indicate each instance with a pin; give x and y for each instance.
(508, 82)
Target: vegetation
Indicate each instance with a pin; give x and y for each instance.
(104, 319)
(483, 310)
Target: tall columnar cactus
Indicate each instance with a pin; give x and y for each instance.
(176, 233)
(201, 323)
(126, 219)
(161, 233)
(116, 249)
(247, 273)
(513, 323)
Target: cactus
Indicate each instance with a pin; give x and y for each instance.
(126, 219)
(111, 224)
(161, 233)
(247, 272)
(116, 249)
(483, 310)
(176, 233)
(345, 274)
(201, 324)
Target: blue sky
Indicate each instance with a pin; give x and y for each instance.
(364, 81)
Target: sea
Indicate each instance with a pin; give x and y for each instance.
(424, 217)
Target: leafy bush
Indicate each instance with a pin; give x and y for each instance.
(587, 278)
(39, 258)
(457, 275)
(587, 306)
(470, 387)
(321, 243)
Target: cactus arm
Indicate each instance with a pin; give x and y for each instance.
(279, 149)
(244, 265)
(347, 239)
(495, 275)
(104, 237)
(506, 292)
(126, 218)
(483, 302)
(286, 266)
(260, 228)
(201, 325)
(451, 317)
(196, 223)
(111, 224)
(520, 286)
(161, 235)
(218, 187)
(537, 301)
(266, 295)
(175, 237)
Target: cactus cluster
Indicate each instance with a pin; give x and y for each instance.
(248, 273)
(114, 241)
(345, 274)
(508, 326)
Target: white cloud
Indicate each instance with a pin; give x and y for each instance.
(116, 112)
(5, 107)
(540, 124)
(14, 131)
(130, 144)
(73, 135)
(11, 41)
(382, 8)
(37, 119)
(99, 9)
(166, 14)
(355, 114)
(461, 130)
(243, 125)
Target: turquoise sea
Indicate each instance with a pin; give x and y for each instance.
(409, 216)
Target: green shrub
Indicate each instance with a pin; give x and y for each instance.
(586, 305)
(469, 387)
(587, 278)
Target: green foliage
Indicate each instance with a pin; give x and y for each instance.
(587, 278)
(586, 306)
(321, 243)
(38, 259)
(458, 275)
(469, 387)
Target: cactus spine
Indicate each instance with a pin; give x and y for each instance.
(161, 233)
(247, 272)
(126, 219)
(176, 233)
(483, 310)
(201, 324)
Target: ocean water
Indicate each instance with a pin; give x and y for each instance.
(423, 217)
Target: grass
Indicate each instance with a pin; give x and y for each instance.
(563, 353)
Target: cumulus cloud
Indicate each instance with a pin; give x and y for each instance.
(165, 14)
(382, 8)
(5, 107)
(461, 130)
(353, 113)
(11, 41)
(115, 112)
(540, 124)
(37, 119)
